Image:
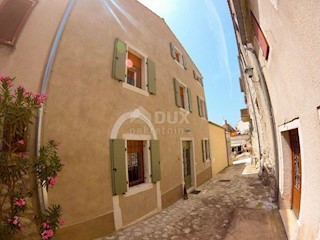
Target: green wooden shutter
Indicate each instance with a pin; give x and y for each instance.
(209, 149)
(173, 50)
(205, 110)
(199, 106)
(194, 75)
(119, 60)
(152, 85)
(176, 92)
(155, 160)
(118, 166)
(189, 99)
(184, 61)
(203, 146)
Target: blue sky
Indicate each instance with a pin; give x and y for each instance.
(204, 27)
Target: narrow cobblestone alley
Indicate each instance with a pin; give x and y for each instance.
(232, 205)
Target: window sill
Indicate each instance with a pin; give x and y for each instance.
(184, 110)
(138, 189)
(135, 89)
(199, 83)
(180, 64)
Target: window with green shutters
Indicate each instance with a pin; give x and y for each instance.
(133, 68)
(206, 154)
(202, 107)
(197, 77)
(182, 94)
(178, 56)
(132, 163)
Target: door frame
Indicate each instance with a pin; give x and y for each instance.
(285, 166)
(192, 161)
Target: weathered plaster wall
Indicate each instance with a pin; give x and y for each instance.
(292, 76)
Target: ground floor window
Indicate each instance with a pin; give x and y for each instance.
(135, 162)
(206, 149)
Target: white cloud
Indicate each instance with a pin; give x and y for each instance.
(216, 27)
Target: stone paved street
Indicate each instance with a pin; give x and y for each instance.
(232, 205)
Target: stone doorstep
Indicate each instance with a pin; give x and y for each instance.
(290, 222)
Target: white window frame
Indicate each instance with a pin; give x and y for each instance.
(144, 79)
(180, 63)
(185, 97)
(147, 184)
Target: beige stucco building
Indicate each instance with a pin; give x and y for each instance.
(279, 51)
(220, 148)
(125, 101)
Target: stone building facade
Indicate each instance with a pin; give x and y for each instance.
(278, 43)
(125, 100)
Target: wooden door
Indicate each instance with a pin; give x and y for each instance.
(296, 171)
(186, 150)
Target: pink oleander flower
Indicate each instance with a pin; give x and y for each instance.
(21, 142)
(52, 181)
(20, 202)
(61, 223)
(46, 234)
(39, 98)
(50, 233)
(45, 225)
(21, 88)
(15, 220)
(7, 80)
(26, 93)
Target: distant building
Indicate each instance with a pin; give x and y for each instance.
(278, 43)
(243, 127)
(220, 148)
(228, 127)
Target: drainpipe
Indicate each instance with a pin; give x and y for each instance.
(266, 95)
(254, 116)
(43, 194)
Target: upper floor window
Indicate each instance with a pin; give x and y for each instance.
(182, 95)
(13, 16)
(134, 69)
(177, 55)
(197, 77)
(206, 155)
(202, 107)
(262, 41)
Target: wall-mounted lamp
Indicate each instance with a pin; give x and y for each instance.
(249, 71)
